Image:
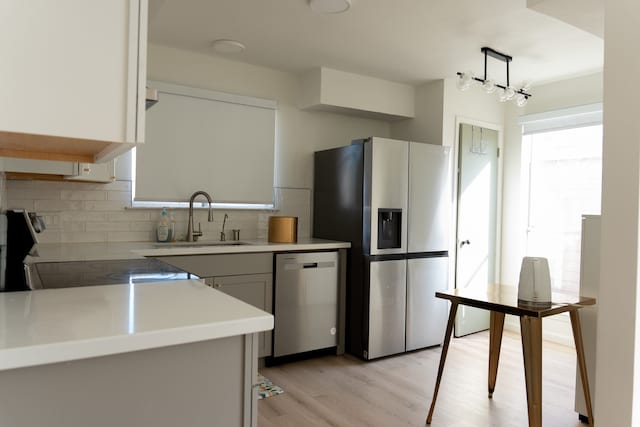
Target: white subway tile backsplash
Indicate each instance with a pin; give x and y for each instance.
(20, 204)
(128, 215)
(142, 226)
(82, 216)
(103, 205)
(27, 194)
(129, 236)
(107, 226)
(82, 237)
(90, 212)
(49, 236)
(57, 205)
(119, 195)
(73, 226)
(82, 195)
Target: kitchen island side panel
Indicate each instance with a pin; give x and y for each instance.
(198, 384)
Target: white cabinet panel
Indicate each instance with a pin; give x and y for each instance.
(95, 172)
(75, 70)
(254, 289)
(47, 167)
(72, 171)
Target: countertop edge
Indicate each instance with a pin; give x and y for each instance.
(240, 249)
(71, 252)
(23, 357)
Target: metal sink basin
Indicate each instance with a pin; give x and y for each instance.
(199, 244)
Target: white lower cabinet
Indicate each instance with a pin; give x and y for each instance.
(247, 277)
(254, 289)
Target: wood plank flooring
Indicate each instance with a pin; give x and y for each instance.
(397, 391)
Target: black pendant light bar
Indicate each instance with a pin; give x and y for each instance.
(487, 51)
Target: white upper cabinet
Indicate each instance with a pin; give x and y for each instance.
(72, 81)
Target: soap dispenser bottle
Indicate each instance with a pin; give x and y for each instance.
(163, 228)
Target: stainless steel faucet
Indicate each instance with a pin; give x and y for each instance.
(192, 236)
(223, 236)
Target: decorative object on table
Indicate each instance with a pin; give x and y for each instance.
(534, 287)
(505, 92)
(266, 388)
(283, 229)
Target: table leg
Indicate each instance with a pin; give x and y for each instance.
(443, 356)
(577, 338)
(531, 330)
(495, 340)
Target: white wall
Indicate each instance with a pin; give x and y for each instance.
(427, 124)
(618, 347)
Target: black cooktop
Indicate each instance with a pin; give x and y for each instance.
(110, 272)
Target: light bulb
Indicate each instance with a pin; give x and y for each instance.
(465, 81)
(502, 95)
(521, 100)
(489, 86)
(509, 92)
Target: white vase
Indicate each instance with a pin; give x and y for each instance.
(534, 287)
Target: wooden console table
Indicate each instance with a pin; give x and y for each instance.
(501, 300)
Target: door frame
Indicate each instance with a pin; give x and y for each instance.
(453, 251)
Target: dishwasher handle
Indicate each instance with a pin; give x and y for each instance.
(308, 265)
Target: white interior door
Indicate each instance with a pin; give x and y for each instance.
(477, 208)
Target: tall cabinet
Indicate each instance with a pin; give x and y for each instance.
(73, 78)
(589, 287)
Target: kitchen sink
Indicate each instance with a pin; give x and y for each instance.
(199, 244)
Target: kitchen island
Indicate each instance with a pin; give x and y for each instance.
(161, 354)
(242, 269)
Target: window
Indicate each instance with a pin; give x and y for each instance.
(563, 176)
(198, 139)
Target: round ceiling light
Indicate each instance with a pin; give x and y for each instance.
(329, 6)
(228, 46)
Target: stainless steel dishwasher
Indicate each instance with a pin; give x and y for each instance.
(306, 302)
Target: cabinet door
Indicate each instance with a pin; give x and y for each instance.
(387, 308)
(426, 314)
(73, 69)
(254, 289)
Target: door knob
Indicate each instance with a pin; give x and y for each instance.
(464, 242)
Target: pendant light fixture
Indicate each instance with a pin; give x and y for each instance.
(505, 92)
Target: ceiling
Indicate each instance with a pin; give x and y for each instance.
(409, 41)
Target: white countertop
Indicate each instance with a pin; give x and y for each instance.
(61, 252)
(56, 325)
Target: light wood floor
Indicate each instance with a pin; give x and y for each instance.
(397, 391)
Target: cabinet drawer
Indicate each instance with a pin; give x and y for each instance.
(223, 264)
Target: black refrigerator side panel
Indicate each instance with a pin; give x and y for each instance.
(338, 215)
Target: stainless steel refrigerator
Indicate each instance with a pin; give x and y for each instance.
(392, 200)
